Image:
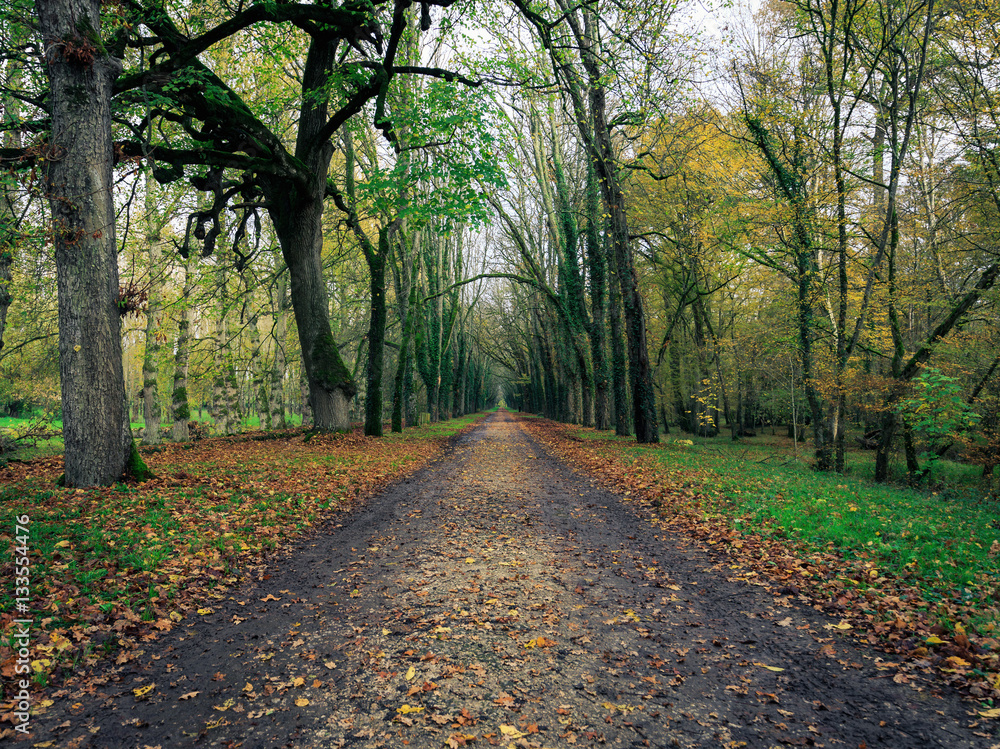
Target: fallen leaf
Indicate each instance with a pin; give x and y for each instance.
(411, 673)
(141, 692)
(189, 695)
(769, 668)
(302, 702)
(406, 710)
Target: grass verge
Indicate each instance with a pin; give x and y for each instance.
(917, 572)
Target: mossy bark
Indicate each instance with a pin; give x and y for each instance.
(276, 396)
(136, 468)
(180, 407)
(151, 354)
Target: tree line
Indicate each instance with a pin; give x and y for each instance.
(375, 209)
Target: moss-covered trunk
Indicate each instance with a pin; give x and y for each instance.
(276, 396)
(151, 354)
(376, 337)
(180, 409)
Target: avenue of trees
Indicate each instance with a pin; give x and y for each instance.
(367, 211)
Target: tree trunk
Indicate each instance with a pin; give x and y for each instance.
(376, 336)
(223, 405)
(8, 240)
(305, 407)
(598, 325)
(9, 111)
(180, 407)
(404, 364)
(296, 210)
(605, 164)
(96, 428)
(276, 399)
(257, 400)
(619, 367)
(150, 363)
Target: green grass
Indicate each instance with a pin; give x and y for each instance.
(55, 445)
(939, 537)
(445, 428)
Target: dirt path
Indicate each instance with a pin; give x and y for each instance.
(497, 597)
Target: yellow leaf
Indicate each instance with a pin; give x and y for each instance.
(994, 713)
(62, 544)
(302, 702)
(769, 668)
(225, 705)
(410, 673)
(511, 732)
(299, 681)
(385, 632)
(406, 710)
(248, 687)
(176, 616)
(934, 640)
(140, 692)
(205, 612)
(41, 665)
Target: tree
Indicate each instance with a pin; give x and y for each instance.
(586, 90)
(213, 129)
(78, 180)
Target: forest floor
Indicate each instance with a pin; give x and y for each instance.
(499, 597)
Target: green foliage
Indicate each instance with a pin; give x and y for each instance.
(936, 408)
(448, 125)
